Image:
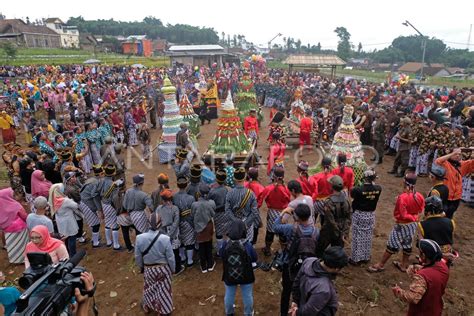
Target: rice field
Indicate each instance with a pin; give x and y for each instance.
(38, 56)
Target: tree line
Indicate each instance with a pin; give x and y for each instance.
(152, 27)
(402, 49)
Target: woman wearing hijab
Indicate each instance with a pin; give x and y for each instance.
(39, 185)
(13, 223)
(154, 256)
(41, 241)
(66, 212)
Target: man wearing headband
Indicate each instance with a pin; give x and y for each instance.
(90, 204)
(276, 196)
(322, 187)
(251, 125)
(203, 211)
(257, 189)
(345, 172)
(181, 166)
(169, 215)
(157, 264)
(187, 235)
(437, 177)
(276, 157)
(364, 203)
(429, 281)
(455, 170)
(135, 202)
(218, 195)
(408, 207)
(109, 191)
(303, 178)
(241, 204)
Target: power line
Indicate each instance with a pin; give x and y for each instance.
(375, 44)
(457, 43)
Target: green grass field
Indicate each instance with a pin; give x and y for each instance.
(39, 56)
(381, 76)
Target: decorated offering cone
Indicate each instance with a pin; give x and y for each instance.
(347, 141)
(296, 112)
(187, 112)
(171, 122)
(247, 98)
(230, 137)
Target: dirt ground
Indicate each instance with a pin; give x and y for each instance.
(360, 293)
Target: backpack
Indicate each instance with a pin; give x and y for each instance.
(338, 212)
(237, 265)
(302, 247)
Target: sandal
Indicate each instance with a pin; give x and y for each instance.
(398, 265)
(375, 269)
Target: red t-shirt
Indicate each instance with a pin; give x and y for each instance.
(250, 123)
(347, 176)
(257, 189)
(276, 196)
(408, 207)
(307, 187)
(306, 125)
(322, 187)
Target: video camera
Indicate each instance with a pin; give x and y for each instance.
(277, 263)
(49, 288)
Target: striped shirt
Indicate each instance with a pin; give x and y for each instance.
(136, 200)
(218, 195)
(183, 201)
(90, 193)
(249, 213)
(106, 184)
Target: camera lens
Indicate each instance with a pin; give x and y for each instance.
(25, 281)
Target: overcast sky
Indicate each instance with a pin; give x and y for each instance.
(373, 23)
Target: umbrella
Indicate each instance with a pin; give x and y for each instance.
(138, 66)
(92, 61)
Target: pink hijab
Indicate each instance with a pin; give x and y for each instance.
(10, 208)
(39, 187)
(49, 243)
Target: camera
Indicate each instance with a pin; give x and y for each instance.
(280, 259)
(49, 287)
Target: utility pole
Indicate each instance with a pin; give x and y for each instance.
(469, 38)
(423, 46)
(270, 41)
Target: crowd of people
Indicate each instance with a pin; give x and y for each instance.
(70, 170)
